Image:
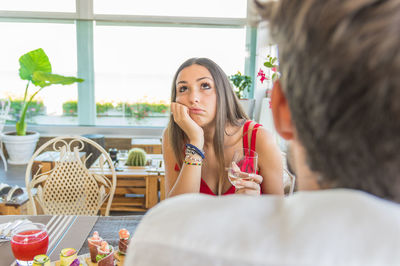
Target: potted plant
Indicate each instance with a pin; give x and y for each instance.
(242, 84)
(35, 67)
(137, 157)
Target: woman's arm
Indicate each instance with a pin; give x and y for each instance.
(269, 162)
(187, 180)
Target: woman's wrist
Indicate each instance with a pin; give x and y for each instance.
(198, 143)
(194, 150)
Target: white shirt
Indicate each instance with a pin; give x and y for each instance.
(327, 227)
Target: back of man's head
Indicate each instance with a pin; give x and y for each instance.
(340, 67)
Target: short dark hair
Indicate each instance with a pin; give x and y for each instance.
(340, 65)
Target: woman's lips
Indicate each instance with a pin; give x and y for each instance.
(196, 111)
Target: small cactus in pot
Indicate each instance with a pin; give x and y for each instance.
(136, 157)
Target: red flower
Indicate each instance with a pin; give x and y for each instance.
(262, 78)
(273, 69)
(261, 73)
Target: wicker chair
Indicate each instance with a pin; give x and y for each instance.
(69, 188)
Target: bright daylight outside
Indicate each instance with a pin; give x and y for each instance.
(133, 64)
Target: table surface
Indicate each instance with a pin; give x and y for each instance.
(133, 170)
(72, 232)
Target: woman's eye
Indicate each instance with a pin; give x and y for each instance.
(182, 89)
(206, 86)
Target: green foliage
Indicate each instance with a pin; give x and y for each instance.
(43, 79)
(101, 108)
(142, 110)
(136, 110)
(35, 108)
(271, 63)
(241, 83)
(35, 67)
(70, 108)
(136, 157)
(35, 60)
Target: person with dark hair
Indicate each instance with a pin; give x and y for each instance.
(338, 103)
(207, 125)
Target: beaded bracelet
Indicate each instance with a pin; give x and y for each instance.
(190, 148)
(192, 159)
(190, 163)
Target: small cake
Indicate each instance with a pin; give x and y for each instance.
(41, 260)
(124, 237)
(68, 257)
(105, 256)
(94, 242)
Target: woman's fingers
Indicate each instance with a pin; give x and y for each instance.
(256, 178)
(249, 177)
(248, 187)
(179, 111)
(181, 116)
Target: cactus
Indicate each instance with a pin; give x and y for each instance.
(136, 157)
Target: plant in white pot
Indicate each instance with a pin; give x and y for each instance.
(35, 67)
(242, 84)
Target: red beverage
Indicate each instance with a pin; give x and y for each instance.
(27, 244)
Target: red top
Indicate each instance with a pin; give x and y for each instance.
(204, 188)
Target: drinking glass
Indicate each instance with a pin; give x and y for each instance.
(122, 156)
(244, 162)
(29, 240)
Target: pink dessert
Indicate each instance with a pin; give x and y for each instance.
(124, 238)
(105, 255)
(94, 242)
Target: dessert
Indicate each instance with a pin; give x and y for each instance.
(124, 238)
(41, 260)
(105, 256)
(68, 257)
(94, 242)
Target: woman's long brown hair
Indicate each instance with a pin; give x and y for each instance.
(229, 112)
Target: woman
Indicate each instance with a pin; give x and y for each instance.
(207, 125)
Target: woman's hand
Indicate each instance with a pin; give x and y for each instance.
(181, 116)
(250, 187)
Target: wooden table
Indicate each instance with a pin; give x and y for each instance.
(137, 188)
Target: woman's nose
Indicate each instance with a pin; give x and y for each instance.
(194, 97)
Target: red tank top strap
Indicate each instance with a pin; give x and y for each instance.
(246, 135)
(253, 137)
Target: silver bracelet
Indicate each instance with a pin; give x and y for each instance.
(190, 158)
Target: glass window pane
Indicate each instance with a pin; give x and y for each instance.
(136, 65)
(59, 43)
(39, 5)
(187, 8)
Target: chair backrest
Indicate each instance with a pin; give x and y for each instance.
(289, 180)
(4, 110)
(68, 187)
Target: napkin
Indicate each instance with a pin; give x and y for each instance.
(6, 228)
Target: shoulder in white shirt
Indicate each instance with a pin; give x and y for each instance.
(326, 227)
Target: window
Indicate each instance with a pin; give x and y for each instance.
(39, 5)
(187, 8)
(59, 42)
(134, 67)
(136, 46)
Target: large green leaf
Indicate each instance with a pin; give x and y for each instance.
(32, 61)
(43, 79)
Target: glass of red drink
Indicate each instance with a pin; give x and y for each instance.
(29, 240)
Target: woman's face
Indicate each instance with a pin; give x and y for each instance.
(195, 89)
